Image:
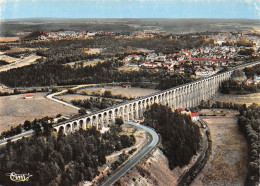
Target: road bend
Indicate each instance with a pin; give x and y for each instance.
(51, 97)
(136, 158)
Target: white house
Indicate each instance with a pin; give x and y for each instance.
(28, 96)
(195, 116)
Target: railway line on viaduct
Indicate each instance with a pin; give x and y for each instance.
(182, 96)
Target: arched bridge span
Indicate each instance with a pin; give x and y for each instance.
(187, 95)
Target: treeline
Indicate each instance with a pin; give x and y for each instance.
(112, 45)
(53, 74)
(249, 124)
(106, 94)
(41, 126)
(246, 52)
(19, 54)
(4, 47)
(65, 160)
(230, 86)
(23, 91)
(180, 136)
(65, 54)
(219, 104)
(94, 103)
(250, 72)
(2, 62)
(46, 74)
(172, 81)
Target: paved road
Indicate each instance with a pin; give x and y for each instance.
(20, 63)
(16, 137)
(135, 159)
(51, 97)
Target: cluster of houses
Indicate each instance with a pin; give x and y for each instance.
(144, 34)
(66, 35)
(85, 34)
(206, 61)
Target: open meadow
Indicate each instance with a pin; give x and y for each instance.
(227, 163)
(246, 98)
(15, 109)
(117, 90)
(69, 97)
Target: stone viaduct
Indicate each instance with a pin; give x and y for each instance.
(183, 96)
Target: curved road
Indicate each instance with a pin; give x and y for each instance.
(136, 158)
(51, 97)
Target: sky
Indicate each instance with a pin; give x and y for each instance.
(227, 9)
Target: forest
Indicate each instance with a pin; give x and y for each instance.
(250, 126)
(41, 126)
(46, 74)
(106, 94)
(2, 62)
(180, 136)
(112, 45)
(23, 91)
(63, 160)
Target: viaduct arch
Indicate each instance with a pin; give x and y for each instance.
(182, 96)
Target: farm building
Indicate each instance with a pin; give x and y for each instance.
(195, 116)
(28, 96)
(127, 86)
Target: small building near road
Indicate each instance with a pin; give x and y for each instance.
(29, 96)
(127, 86)
(194, 116)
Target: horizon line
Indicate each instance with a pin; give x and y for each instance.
(126, 18)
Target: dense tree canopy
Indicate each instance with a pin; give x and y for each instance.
(249, 124)
(112, 45)
(44, 74)
(94, 103)
(75, 157)
(180, 136)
